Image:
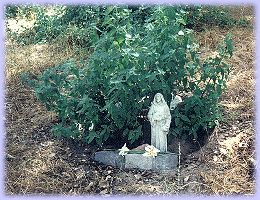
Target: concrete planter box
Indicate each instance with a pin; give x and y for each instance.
(110, 158)
(163, 161)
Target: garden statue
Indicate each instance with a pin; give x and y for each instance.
(160, 118)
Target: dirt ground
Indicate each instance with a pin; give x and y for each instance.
(37, 163)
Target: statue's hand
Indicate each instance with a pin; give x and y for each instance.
(166, 128)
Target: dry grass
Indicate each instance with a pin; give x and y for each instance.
(38, 163)
(230, 154)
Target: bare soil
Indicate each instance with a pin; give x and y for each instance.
(38, 163)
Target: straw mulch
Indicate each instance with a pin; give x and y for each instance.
(38, 163)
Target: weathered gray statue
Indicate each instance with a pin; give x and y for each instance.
(160, 118)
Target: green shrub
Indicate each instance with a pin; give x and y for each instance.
(107, 96)
(11, 11)
(200, 17)
(23, 11)
(79, 25)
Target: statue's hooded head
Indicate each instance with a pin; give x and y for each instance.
(158, 99)
(159, 108)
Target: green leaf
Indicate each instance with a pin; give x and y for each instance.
(184, 118)
(91, 136)
(176, 132)
(125, 132)
(177, 121)
(134, 134)
(229, 43)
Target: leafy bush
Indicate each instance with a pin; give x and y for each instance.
(46, 23)
(200, 17)
(11, 11)
(82, 25)
(79, 25)
(108, 96)
(24, 11)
